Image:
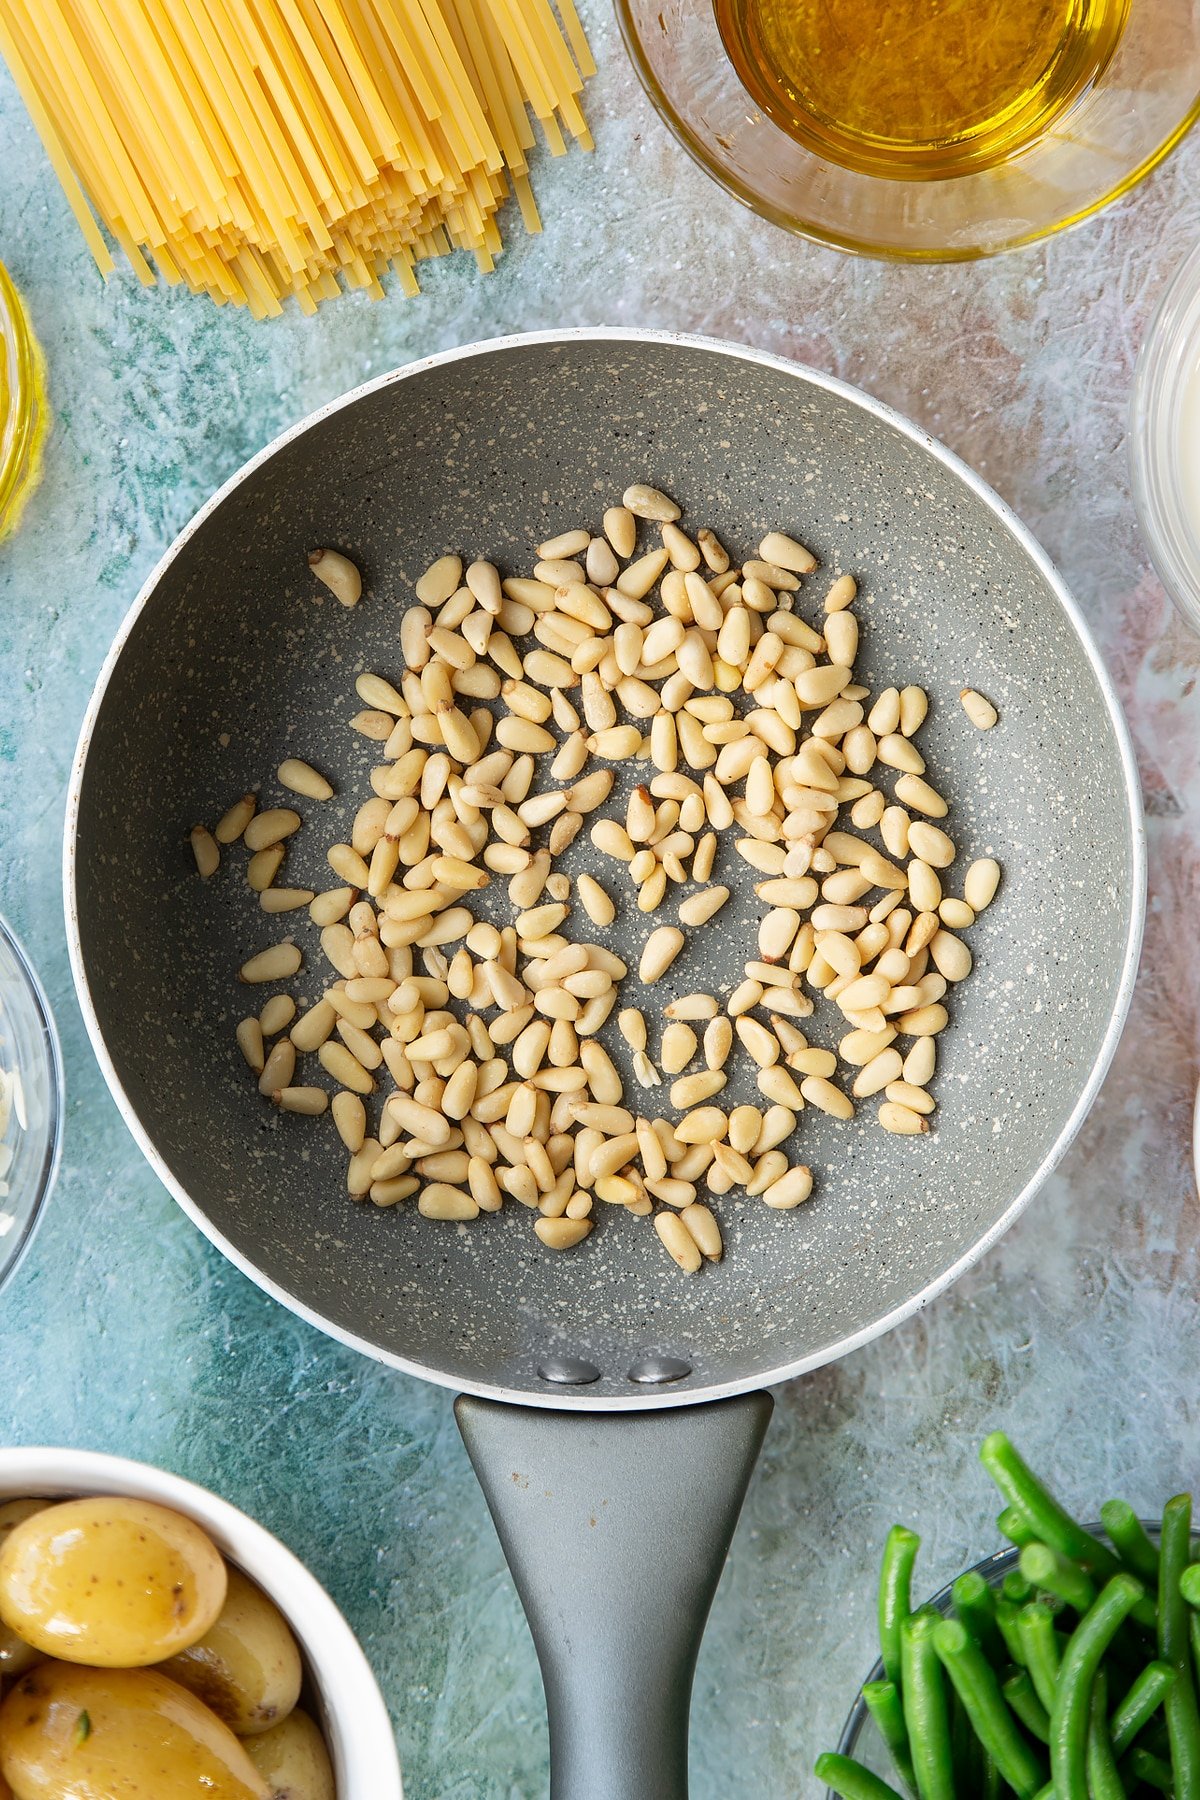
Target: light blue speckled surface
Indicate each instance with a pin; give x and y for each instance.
(124, 1331)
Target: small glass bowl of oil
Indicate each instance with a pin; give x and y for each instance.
(24, 413)
(31, 1101)
(924, 130)
(1164, 438)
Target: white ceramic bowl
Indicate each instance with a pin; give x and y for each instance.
(1163, 435)
(343, 1691)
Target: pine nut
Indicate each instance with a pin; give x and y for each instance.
(205, 851)
(340, 1062)
(789, 1189)
(982, 880)
(901, 1120)
(249, 1037)
(647, 503)
(350, 1119)
(718, 1041)
(924, 886)
(917, 793)
(951, 956)
(234, 821)
(923, 1021)
(779, 1087)
(956, 913)
(690, 1090)
(697, 909)
(438, 1200)
(841, 594)
(920, 1062)
(820, 1092)
(678, 1242)
(703, 1229)
(914, 705)
(274, 964)
(678, 1047)
(659, 952)
(875, 1075)
(981, 712)
(338, 574)
(931, 844)
(915, 1098)
(271, 827)
(692, 1006)
(786, 553)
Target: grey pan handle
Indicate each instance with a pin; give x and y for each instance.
(616, 1528)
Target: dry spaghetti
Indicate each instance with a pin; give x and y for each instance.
(254, 149)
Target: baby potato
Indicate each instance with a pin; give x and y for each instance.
(294, 1760)
(15, 1654)
(116, 1583)
(118, 1734)
(247, 1667)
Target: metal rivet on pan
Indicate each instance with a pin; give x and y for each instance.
(655, 1367)
(568, 1371)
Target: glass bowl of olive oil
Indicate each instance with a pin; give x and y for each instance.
(24, 413)
(924, 130)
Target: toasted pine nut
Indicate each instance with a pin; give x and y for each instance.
(981, 712)
(350, 1118)
(345, 1067)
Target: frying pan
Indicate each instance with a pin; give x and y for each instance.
(616, 1522)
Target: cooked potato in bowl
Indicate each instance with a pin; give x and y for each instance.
(149, 1668)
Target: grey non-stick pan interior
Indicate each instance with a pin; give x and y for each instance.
(234, 658)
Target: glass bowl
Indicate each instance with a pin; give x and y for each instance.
(860, 1738)
(1119, 128)
(1164, 416)
(24, 413)
(31, 1101)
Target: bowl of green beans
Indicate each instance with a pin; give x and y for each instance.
(1063, 1667)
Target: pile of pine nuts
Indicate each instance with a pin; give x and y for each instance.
(749, 721)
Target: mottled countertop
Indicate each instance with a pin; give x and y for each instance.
(124, 1331)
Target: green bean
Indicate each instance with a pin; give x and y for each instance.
(974, 1602)
(1069, 1714)
(1180, 1708)
(1007, 1623)
(1103, 1777)
(1045, 1568)
(1039, 1645)
(926, 1713)
(895, 1594)
(1151, 1769)
(1139, 1705)
(1021, 1695)
(977, 1687)
(1012, 1524)
(1135, 1549)
(1022, 1489)
(1016, 1587)
(882, 1701)
(1189, 1584)
(849, 1779)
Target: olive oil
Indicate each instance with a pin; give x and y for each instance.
(918, 89)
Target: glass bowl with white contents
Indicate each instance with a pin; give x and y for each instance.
(1164, 438)
(31, 1101)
